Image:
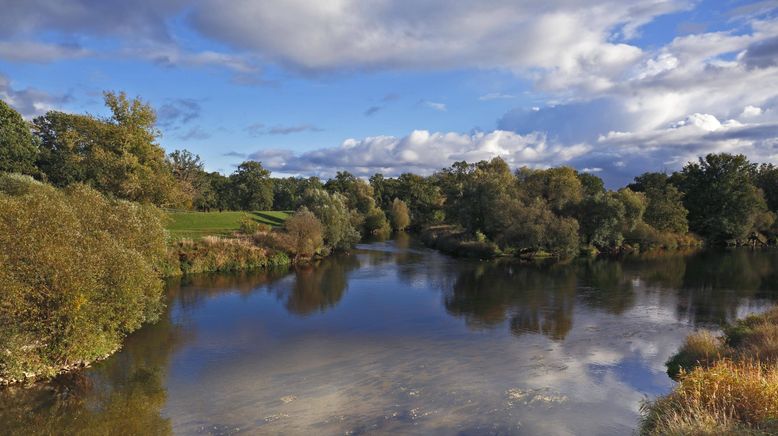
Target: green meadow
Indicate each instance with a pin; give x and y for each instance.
(195, 225)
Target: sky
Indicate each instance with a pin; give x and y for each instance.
(612, 87)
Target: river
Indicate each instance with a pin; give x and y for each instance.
(396, 338)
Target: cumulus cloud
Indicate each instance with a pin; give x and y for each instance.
(421, 151)
(558, 43)
(30, 102)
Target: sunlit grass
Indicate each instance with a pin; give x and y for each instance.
(195, 225)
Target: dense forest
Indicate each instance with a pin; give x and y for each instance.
(481, 208)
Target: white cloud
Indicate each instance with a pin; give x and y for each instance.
(30, 102)
(422, 152)
(751, 112)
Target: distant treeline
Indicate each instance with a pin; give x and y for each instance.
(723, 198)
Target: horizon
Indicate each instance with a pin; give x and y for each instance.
(611, 88)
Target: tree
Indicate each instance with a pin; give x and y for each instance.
(305, 231)
(601, 219)
(251, 187)
(767, 181)
(533, 226)
(634, 207)
(189, 172)
(591, 184)
(400, 216)
(560, 187)
(722, 201)
(424, 199)
(331, 210)
(18, 149)
(117, 155)
(665, 210)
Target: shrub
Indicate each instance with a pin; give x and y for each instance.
(77, 271)
(305, 231)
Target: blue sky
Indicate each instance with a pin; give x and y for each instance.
(609, 86)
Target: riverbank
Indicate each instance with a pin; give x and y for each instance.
(727, 384)
(454, 241)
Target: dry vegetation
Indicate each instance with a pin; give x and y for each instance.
(727, 385)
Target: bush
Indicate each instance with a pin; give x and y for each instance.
(305, 232)
(78, 272)
(401, 217)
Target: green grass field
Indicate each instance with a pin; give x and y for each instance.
(195, 225)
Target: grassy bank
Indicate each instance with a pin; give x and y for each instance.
(195, 225)
(727, 384)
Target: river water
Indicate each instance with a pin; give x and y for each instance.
(396, 338)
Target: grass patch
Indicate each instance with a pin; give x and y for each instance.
(727, 385)
(196, 225)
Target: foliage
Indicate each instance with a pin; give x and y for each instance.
(251, 186)
(305, 231)
(78, 272)
(723, 202)
(561, 187)
(601, 218)
(401, 218)
(534, 227)
(335, 217)
(18, 148)
(116, 155)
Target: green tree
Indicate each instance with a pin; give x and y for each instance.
(665, 210)
(591, 184)
(335, 217)
(560, 187)
(634, 207)
(251, 187)
(722, 201)
(117, 155)
(601, 219)
(401, 219)
(533, 227)
(767, 181)
(18, 149)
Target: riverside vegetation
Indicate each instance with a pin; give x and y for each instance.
(86, 193)
(727, 385)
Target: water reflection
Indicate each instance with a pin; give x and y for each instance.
(397, 338)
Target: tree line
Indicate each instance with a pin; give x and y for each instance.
(722, 198)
